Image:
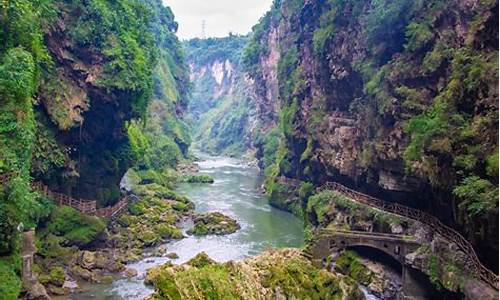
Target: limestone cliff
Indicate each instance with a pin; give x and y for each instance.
(103, 76)
(395, 98)
(222, 108)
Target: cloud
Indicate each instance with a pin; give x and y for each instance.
(221, 16)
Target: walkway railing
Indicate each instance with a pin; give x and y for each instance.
(474, 264)
(112, 211)
(88, 207)
(85, 206)
(364, 234)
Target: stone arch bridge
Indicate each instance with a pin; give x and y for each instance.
(329, 241)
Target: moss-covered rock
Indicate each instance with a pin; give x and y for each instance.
(200, 260)
(332, 209)
(74, 227)
(152, 219)
(283, 274)
(193, 178)
(348, 263)
(57, 276)
(213, 223)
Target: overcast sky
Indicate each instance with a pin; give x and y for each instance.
(221, 16)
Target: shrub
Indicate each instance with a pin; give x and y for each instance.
(492, 165)
(57, 276)
(319, 204)
(479, 196)
(76, 228)
(306, 189)
(198, 179)
(349, 264)
(10, 282)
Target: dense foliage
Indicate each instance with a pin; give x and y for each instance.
(222, 107)
(287, 274)
(411, 79)
(22, 56)
(205, 51)
(75, 228)
(73, 76)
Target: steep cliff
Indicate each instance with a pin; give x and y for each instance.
(75, 79)
(222, 106)
(105, 58)
(395, 98)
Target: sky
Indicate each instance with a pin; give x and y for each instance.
(221, 16)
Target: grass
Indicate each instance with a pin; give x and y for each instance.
(10, 281)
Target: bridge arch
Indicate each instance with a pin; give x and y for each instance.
(375, 254)
(395, 251)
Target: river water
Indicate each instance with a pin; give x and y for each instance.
(236, 192)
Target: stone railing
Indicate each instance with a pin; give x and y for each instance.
(475, 266)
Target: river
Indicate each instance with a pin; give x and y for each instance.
(236, 192)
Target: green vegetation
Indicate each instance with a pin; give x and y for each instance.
(319, 205)
(130, 54)
(348, 263)
(223, 129)
(479, 195)
(221, 104)
(205, 51)
(193, 178)
(120, 30)
(267, 144)
(74, 227)
(22, 56)
(151, 220)
(285, 271)
(323, 207)
(213, 223)
(10, 283)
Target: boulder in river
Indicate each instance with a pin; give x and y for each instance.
(213, 223)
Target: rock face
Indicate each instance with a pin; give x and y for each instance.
(384, 102)
(86, 101)
(222, 106)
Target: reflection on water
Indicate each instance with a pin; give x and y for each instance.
(236, 193)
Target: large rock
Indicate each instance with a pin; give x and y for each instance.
(213, 223)
(87, 260)
(475, 289)
(37, 292)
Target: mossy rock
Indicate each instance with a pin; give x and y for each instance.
(213, 223)
(201, 260)
(166, 231)
(57, 276)
(57, 290)
(193, 178)
(348, 263)
(283, 274)
(147, 236)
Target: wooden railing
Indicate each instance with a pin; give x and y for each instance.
(475, 267)
(85, 206)
(88, 207)
(112, 211)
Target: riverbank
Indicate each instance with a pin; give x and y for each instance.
(235, 192)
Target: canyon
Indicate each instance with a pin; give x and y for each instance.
(368, 128)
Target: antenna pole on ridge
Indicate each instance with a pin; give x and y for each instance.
(203, 29)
